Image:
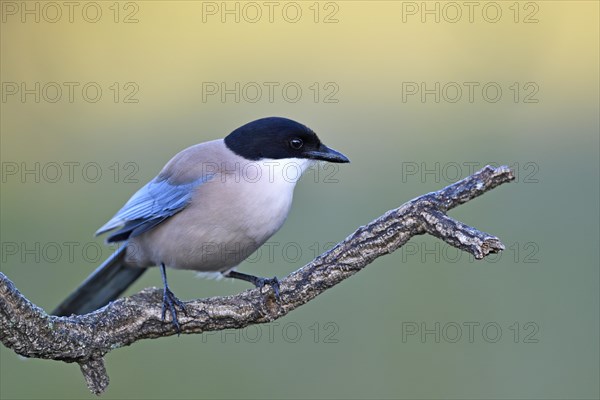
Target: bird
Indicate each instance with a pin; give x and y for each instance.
(210, 207)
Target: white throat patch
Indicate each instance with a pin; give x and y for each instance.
(281, 171)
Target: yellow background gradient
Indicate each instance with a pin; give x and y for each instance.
(543, 291)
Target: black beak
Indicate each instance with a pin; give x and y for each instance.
(324, 153)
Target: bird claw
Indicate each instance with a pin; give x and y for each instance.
(257, 281)
(273, 282)
(170, 301)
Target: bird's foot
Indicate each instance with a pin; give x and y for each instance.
(170, 301)
(257, 281)
(273, 282)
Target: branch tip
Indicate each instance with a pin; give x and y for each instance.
(95, 375)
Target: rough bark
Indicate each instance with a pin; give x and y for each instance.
(85, 339)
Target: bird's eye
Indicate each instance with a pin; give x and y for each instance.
(296, 143)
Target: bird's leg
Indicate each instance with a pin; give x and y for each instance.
(170, 300)
(256, 281)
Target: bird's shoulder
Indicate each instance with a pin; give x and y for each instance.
(197, 161)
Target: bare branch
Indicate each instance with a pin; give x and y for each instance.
(85, 339)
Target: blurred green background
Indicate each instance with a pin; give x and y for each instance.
(424, 322)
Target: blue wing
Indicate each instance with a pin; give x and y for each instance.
(149, 206)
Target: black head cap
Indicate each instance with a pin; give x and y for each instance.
(277, 138)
